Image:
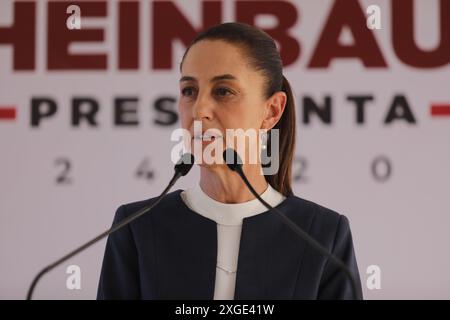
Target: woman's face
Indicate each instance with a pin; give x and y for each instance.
(220, 90)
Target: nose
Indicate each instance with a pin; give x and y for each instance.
(202, 108)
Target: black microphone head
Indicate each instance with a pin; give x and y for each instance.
(184, 164)
(232, 159)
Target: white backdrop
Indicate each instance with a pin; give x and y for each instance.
(60, 183)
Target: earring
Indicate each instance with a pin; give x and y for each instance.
(263, 137)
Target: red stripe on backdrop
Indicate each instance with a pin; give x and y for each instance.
(8, 113)
(440, 110)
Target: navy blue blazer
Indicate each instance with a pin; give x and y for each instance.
(171, 252)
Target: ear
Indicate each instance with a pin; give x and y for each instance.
(274, 109)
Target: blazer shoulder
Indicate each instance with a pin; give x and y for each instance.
(315, 210)
(166, 202)
(321, 221)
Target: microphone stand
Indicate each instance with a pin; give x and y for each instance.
(236, 165)
(181, 169)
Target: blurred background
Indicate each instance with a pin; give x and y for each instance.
(88, 100)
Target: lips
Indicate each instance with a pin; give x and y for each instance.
(204, 136)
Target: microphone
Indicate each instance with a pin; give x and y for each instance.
(234, 162)
(181, 169)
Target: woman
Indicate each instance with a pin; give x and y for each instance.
(215, 240)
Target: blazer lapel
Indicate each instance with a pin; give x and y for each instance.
(186, 255)
(270, 257)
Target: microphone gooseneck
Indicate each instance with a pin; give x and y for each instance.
(234, 162)
(182, 167)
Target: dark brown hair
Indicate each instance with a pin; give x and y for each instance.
(264, 57)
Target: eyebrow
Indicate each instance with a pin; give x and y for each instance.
(214, 79)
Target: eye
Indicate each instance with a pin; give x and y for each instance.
(223, 91)
(188, 91)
